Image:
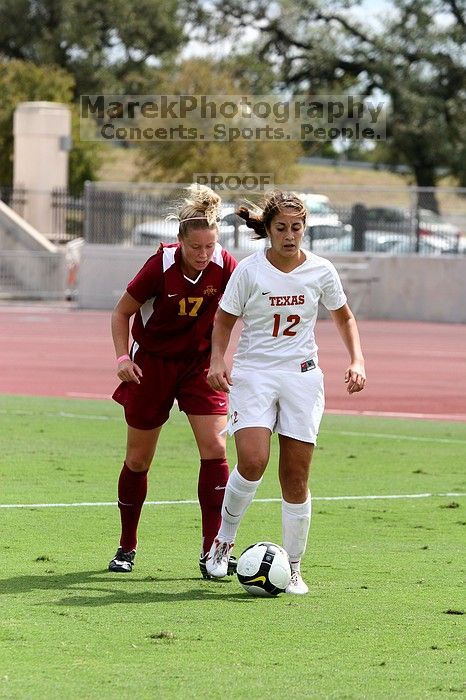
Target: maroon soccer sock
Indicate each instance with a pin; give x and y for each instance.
(132, 491)
(213, 476)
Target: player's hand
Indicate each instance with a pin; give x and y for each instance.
(355, 378)
(218, 377)
(129, 371)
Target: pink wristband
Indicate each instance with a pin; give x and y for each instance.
(123, 357)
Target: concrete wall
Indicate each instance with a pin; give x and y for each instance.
(379, 286)
(104, 272)
(30, 265)
(418, 288)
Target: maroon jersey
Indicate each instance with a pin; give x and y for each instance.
(177, 313)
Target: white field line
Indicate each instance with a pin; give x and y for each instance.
(60, 414)
(256, 500)
(398, 414)
(389, 436)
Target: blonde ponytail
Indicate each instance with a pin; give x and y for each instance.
(200, 208)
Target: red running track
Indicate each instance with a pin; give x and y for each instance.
(416, 369)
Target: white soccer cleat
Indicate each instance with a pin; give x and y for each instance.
(218, 558)
(297, 585)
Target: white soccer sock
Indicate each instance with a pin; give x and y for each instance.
(239, 493)
(296, 521)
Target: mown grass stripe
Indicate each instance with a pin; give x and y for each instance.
(349, 433)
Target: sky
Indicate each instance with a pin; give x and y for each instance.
(372, 8)
(368, 11)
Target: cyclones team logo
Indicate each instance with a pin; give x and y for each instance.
(210, 291)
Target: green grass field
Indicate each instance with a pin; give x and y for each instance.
(384, 618)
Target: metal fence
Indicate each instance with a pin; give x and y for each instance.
(67, 215)
(14, 198)
(341, 218)
(32, 275)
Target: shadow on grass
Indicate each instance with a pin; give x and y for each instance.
(104, 597)
(85, 588)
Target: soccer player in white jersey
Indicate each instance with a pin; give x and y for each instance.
(276, 384)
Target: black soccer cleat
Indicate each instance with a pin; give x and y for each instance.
(122, 562)
(203, 569)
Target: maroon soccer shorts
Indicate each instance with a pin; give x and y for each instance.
(147, 405)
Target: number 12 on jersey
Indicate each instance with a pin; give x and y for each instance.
(279, 327)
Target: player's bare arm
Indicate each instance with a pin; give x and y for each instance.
(128, 371)
(355, 375)
(219, 375)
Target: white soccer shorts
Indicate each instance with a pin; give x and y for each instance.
(288, 403)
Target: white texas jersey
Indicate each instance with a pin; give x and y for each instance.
(279, 310)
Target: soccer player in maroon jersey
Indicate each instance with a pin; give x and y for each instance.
(173, 299)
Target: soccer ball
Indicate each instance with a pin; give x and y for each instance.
(264, 569)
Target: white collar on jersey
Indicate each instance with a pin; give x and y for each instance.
(196, 280)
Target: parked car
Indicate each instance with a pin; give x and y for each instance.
(232, 229)
(154, 231)
(429, 244)
(319, 235)
(389, 219)
(323, 220)
(386, 242)
(403, 221)
(243, 236)
(319, 209)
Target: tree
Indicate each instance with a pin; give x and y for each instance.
(99, 43)
(21, 81)
(416, 59)
(176, 161)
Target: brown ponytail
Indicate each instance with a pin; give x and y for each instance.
(259, 218)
